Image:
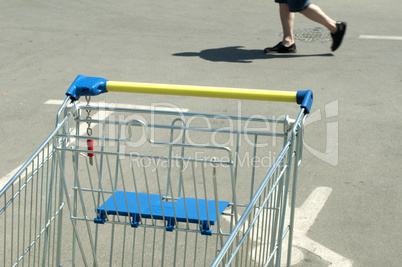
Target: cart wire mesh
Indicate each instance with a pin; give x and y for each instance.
(156, 188)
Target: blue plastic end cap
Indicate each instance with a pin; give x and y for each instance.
(86, 86)
(101, 218)
(136, 221)
(205, 228)
(170, 224)
(305, 99)
(100, 221)
(206, 232)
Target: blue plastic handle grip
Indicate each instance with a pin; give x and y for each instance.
(305, 100)
(86, 86)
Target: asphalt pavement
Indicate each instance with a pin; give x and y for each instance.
(352, 153)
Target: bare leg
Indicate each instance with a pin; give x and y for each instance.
(287, 20)
(315, 13)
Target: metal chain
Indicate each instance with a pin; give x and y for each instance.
(89, 132)
(89, 129)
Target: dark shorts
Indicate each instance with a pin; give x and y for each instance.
(295, 5)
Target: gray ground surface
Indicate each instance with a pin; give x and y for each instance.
(352, 136)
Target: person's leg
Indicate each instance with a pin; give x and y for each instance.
(337, 28)
(287, 45)
(316, 14)
(287, 20)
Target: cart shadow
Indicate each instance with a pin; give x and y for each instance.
(237, 54)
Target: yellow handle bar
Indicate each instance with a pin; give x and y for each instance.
(87, 86)
(201, 91)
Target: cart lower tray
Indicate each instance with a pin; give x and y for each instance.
(150, 207)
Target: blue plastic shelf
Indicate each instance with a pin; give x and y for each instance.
(153, 206)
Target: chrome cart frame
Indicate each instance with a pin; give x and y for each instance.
(128, 186)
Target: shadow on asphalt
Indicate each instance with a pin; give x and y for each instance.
(237, 54)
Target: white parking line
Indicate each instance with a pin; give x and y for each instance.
(4, 180)
(305, 217)
(381, 37)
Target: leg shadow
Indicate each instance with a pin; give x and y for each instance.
(237, 54)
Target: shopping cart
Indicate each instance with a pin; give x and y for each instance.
(123, 186)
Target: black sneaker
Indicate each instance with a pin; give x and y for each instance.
(280, 48)
(272, 49)
(337, 37)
